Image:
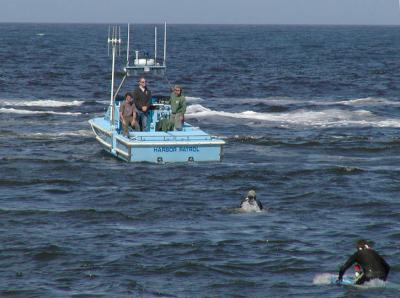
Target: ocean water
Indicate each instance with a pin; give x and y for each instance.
(311, 118)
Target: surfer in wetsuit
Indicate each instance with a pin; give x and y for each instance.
(372, 264)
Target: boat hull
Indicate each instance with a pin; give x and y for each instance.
(191, 145)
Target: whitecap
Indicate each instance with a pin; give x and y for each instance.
(283, 101)
(193, 99)
(324, 279)
(322, 118)
(40, 103)
(76, 133)
(369, 101)
(28, 112)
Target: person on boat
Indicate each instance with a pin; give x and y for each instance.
(142, 97)
(372, 264)
(127, 114)
(250, 203)
(178, 107)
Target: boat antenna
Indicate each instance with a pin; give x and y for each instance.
(114, 38)
(108, 42)
(119, 37)
(165, 43)
(127, 45)
(155, 45)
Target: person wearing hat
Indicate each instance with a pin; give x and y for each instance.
(373, 266)
(178, 107)
(250, 203)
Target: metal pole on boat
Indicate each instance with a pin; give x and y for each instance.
(127, 46)
(165, 42)
(112, 86)
(115, 41)
(155, 45)
(119, 38)
(108, 42)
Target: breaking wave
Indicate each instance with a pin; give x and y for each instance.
(193, 99)
(40, 103)
(29, 112)
(322, 118)
(283, 101)
(82, 133)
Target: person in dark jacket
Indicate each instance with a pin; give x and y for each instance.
(372, 264)
(142, 97)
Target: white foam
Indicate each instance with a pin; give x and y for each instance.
(193, 99)
(40, 103)
(60, 134)
(283, 101)
(324, 279)
(28, 112)
(280, 101)
(369, 101)
(322, 118)
(375, 283)
(103, 101)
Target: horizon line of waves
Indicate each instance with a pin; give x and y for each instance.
(323, 118)
(29, 112)
(41, 103)
(287, 101)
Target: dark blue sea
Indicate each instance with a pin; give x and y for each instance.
(311, 119)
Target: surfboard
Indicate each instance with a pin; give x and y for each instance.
(330, 279)
(347, 281)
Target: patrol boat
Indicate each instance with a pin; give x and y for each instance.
(191, 144)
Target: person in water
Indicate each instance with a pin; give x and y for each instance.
(142, 97)
(127, 114)
(178, 107)
(250, 203)
(373, 266)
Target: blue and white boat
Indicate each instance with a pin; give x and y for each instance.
(191, 144)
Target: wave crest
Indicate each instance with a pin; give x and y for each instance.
(41, 103)
(321, 118)
(29, 112)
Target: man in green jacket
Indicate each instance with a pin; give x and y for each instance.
(178, 107)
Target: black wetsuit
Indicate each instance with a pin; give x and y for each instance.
(372, 264)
